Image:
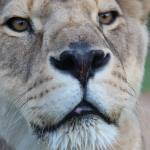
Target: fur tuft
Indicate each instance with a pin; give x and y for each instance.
(87, 134)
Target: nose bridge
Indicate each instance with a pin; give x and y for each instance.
(80, 25)
(78, 33)
(71, 24)
(76, 11)
(83, 32)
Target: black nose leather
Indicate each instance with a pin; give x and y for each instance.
(81, 65)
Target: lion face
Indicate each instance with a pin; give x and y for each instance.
(72, 68)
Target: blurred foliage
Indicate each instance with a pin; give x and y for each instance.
(146, 84)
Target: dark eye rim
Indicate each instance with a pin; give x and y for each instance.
(9, 24)
(115, 14)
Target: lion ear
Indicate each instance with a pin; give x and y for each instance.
(146, 9)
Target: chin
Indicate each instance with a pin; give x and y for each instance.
(84, 128)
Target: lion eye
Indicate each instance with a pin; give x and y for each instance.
(108, 18)
(19, 24)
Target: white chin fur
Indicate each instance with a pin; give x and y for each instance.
(85, 134)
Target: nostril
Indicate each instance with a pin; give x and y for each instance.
(100, 59)
(66, 62)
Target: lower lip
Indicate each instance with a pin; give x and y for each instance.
(79, 111)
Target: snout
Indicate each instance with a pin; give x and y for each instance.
(73, 62)
(81, 61)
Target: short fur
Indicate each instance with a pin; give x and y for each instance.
(32, 90)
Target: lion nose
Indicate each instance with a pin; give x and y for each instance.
(81, 65)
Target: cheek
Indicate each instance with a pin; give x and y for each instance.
(110, 95)
(125, 41)
(107, 94)
(129, 44)
(129, 41)
(16, 56)
(106, 100)
(64, 93)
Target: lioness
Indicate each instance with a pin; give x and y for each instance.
(71, 72)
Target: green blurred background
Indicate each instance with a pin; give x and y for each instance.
(146, 84)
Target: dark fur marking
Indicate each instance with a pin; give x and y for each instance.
(118, 87)
(42, 94)
(120, 76)
(38, 83)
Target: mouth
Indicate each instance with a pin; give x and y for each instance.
(81, 110)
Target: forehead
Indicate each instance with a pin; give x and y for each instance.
(43, 7)
(45, 3)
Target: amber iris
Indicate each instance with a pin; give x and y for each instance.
(18, 24)
(108, 18)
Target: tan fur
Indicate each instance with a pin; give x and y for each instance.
(33, 91)
(146, 7)
(30, 4)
